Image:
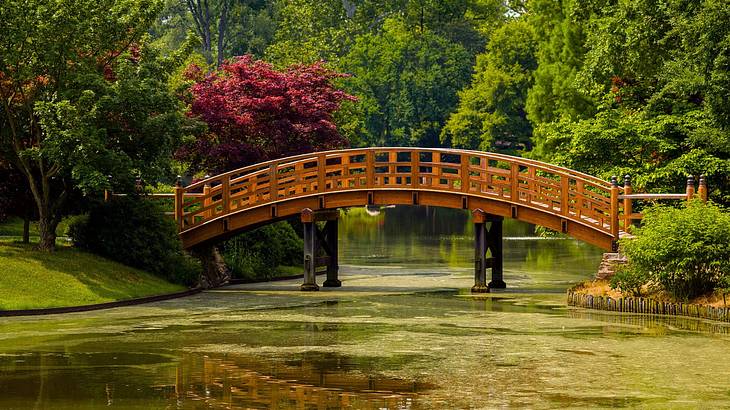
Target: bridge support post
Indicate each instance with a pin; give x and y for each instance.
(333, 267)
(487, 239)
(310, 248)
(480, 252)
(494, 243)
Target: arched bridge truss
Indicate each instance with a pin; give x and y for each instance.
(491, 186)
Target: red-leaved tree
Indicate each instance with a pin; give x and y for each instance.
(256, 113)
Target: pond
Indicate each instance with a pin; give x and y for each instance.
(402, 333)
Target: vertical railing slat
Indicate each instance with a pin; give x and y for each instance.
(321, 173)
(564, 194)
(179, 211)
(370, 168)
(226, 194)
(415, 169)
(514, 182)
(273, 182)
(464, 172)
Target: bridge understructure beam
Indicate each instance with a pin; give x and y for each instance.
(320, 248)
(487, 239)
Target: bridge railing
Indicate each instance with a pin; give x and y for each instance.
(573, 195)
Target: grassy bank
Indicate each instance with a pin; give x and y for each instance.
(14, 227)
(68, 277)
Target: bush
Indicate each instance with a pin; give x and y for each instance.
(135, 232)
(629, 279)
(685, 251)
(257, 254)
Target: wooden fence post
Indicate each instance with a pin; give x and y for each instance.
(627, 203)
(179, 212)
(690, 188)
(614, 210)
(702, 190)
(207, 200)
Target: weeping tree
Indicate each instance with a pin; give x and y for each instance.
(84, 102)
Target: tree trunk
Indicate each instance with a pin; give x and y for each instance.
(215, 273)
(201, 17)
(222, 28)
(47, 233)
(26, 228)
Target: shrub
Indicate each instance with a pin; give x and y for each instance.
(629, 279)
(135, 232)
(257, 254)
(686, 251)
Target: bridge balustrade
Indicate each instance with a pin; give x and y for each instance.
(570, 194)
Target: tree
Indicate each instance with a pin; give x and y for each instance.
(313, 30)
(91, 106)
(256, 113)
(660, 76)
(219, 28)
(658, 151)
(492, 109)
(407, 82)
(557, 90)
(204, 17)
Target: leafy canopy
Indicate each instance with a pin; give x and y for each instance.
(256, 113)
(83, 98)
(407, 83)
(491, 112)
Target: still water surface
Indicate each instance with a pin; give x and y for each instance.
(402, 333)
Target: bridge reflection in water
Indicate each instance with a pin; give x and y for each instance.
(249, 382)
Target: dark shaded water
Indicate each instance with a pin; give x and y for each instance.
(403, 332)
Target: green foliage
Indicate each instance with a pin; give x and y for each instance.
(259, 254)
(407, 84)
(135, 232)
(312, 30)
(492, 109)
(630, 280)
(659, 152)
(556, 92)
(84, 98)
(685, 251)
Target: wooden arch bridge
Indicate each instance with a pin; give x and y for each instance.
(492, 186)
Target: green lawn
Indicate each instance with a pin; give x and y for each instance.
(68, 277)
(14, 227)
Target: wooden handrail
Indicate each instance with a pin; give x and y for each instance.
(653, 196)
